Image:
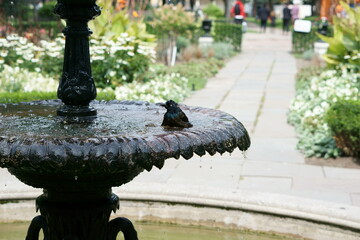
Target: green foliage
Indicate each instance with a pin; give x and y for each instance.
(47, 10)
(16, 97)
(124, 59)
(314, 96)
(304, 76)
(220, 50)
(111, 24)
(197, 71)
(182, 43)
(344, 46)
(173, 21)
(308, 54)
(16, 79)
(343, 119)
(228, 32)
(161, 88)
(302, 42)
(212, 10)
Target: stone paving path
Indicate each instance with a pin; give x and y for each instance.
(256, 87)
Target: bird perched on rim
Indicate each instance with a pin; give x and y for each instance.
(174, 116)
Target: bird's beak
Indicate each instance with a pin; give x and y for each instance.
(161, 104)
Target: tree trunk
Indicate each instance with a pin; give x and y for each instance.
(227, 7)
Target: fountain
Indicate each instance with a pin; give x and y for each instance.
(78, 149)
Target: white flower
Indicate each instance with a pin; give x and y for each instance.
(112, 73)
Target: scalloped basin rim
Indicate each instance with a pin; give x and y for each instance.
(46, 151)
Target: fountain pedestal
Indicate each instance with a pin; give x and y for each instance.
(77, 88)
(79, 215)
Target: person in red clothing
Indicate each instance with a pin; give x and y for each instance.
(238, 12)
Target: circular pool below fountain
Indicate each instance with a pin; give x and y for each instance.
(157, 231)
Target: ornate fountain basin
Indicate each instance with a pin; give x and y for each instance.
(52, 152)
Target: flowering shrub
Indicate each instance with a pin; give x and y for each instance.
(312, 101)
(16, 79)
(19, 52)
(163, 87)
(123, 59)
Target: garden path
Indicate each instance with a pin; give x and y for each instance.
(256, 86)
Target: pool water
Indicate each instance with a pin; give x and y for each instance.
(152, 231)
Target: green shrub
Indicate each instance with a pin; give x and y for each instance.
(123, 59)
(161, 88)
(212, 10)
(182, 43)
(220, 50)
(16, 97)
(302, 42)
(229, 32)
(111, 24)
(308, 54)
(197, 71)
(343, 119)
(168, 23)
(173, 21)
(315, 96)
(304, 76)
(47, 10)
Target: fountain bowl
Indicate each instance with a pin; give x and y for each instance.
(48, 151)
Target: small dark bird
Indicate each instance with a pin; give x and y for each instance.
(174, 116)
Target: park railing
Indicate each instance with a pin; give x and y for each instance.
(226, 30)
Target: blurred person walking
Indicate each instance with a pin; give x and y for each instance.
(286, 18)
(272, 20)
(295, 13)
(238, 12)
(263, 14)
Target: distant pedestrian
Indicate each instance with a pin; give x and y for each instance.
(263, 14)
(286, 18)
(238, 12)
(295, 12)
(272, 20)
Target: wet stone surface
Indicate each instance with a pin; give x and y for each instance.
(124, 139)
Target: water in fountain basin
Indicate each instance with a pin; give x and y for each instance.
(151, 231)
(112, 120)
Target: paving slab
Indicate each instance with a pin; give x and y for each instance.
(274, 150)
(341, 173)
(280, 169)
(265, 184)
(355, 199)
(325, 184)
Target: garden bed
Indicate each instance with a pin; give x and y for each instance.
(340, 162)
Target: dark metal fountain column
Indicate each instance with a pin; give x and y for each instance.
(83, 213)
(77, 88)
